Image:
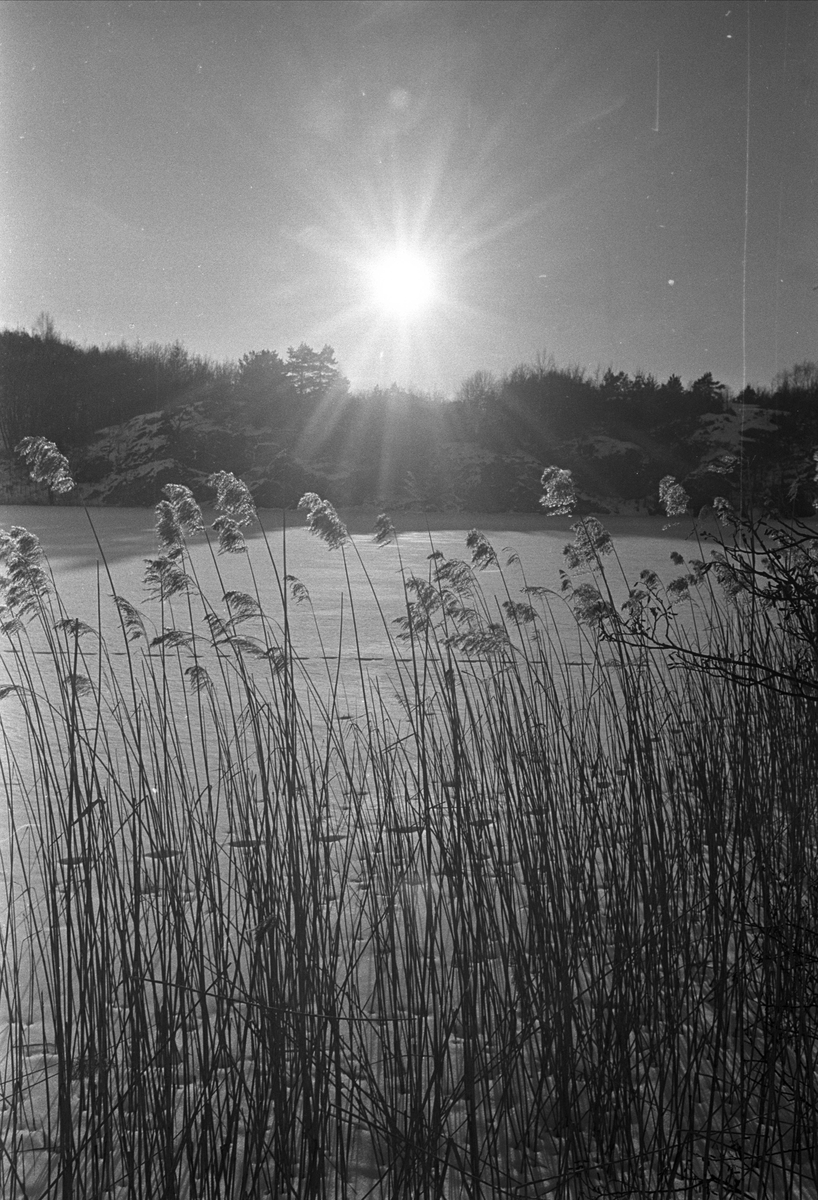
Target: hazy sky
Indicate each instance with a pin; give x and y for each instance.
(225, 174)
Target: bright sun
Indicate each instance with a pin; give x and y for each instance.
(402, 284)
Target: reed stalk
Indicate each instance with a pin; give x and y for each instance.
(524, 927)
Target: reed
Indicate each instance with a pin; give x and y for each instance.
(521, 928)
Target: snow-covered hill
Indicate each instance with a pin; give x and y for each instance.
(130, 463)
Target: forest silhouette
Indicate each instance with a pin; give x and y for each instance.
(290, 423)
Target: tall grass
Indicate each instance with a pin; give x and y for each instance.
(521, 927)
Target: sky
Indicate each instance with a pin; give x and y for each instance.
(617, 183)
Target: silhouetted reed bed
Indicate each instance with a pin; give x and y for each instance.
(518, 928)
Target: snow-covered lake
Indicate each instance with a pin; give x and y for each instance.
(127, 538)
(356, 596)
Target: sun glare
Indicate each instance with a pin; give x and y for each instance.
(402, 284)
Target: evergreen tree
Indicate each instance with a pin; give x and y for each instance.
(709, 389)
(314, 373)
(673, 386)
(263, 384)
(615, 383)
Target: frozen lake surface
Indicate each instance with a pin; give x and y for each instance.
(345, 639)
(127, 538)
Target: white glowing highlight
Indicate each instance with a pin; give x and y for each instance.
(403, 284)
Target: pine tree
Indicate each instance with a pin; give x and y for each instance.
(314, 373)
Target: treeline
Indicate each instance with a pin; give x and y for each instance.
(545, 400)
(619, 434)
(51, 387)
(658, 428)
(536, 405)
(281, 418)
